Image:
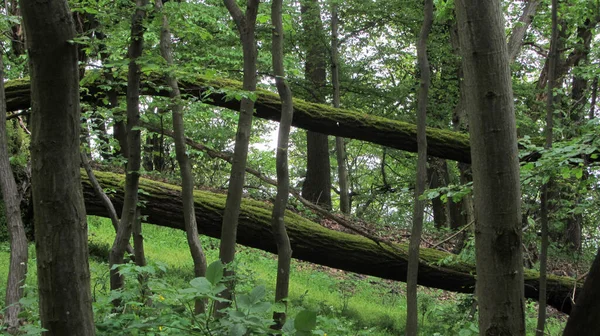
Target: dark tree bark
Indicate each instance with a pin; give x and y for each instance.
(340, 146)
(585, 316)
(129, 212)
(495, 164)
(412, 313)
(185, 166)
(317, 184)
(437, 176)
(544, 208)
(284, 249)
(246, 24)
(311, 241)
(60, 218)
(592, 113)
(16, 230)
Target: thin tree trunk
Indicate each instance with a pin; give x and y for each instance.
(412, 313)
(544, 218)
(317, 185)
(129, 213)
(284, 249)
(112, 213)
(246, 24)
(187, 178)
(340, 147)
(495, 164)
(17, 271)
(65, 300)
(592, 113)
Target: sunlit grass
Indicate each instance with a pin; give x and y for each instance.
(367, 301)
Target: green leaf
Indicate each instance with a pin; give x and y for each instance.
(258, 293)
(279, 307)
(214, 272)
(237, 330)
(201, 284)
(305, 321)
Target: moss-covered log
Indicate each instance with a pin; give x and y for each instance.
(310, 241)
(314, 117)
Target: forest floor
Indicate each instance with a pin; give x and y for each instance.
(347, 303)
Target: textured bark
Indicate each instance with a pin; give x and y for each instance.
(284, 249)
(310, 241)
(340, 147)
(495, 164)
(317, 184)
(60, 220)
(412, 313)
(316, 117)
(16, 230)
(246, 24)
(585, 317)
(185, 166)
(544, 216)
(129, 212)
(518, 32)
(437, 176)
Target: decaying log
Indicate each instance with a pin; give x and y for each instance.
(313, 117)
(310, 241)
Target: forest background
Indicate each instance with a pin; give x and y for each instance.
(363, 183)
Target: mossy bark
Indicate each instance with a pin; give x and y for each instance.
(310, 116)
(310, 241)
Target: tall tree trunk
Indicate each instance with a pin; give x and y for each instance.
(60, 219)
(317, 185)
(585, 316)
(129, 213)
(515, 42)
(284, 248)
(544, 208)
(340, 147)
(185, 166)
(16, 231)
(412, 313)
(495, 164)
(246, 24)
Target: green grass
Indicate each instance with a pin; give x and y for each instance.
(363, 301)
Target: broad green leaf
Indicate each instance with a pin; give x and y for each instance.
(306, 321)
(214, 272)
(258, 293)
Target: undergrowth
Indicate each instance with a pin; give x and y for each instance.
(345, 304)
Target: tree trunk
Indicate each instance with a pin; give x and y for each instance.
(412, 313)
(544, 208)
(340, 146)
(187, 178)
(316, 117)
(284, 249)
(518, 32)
(311, 241)
(495, 164)
(246, 24)
(585, 316)
(128, 214)
(437, 176)
(317, 185)
(60, 218)
(16, 230)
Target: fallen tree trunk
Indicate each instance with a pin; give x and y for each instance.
(313, 117)
(310, 241)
